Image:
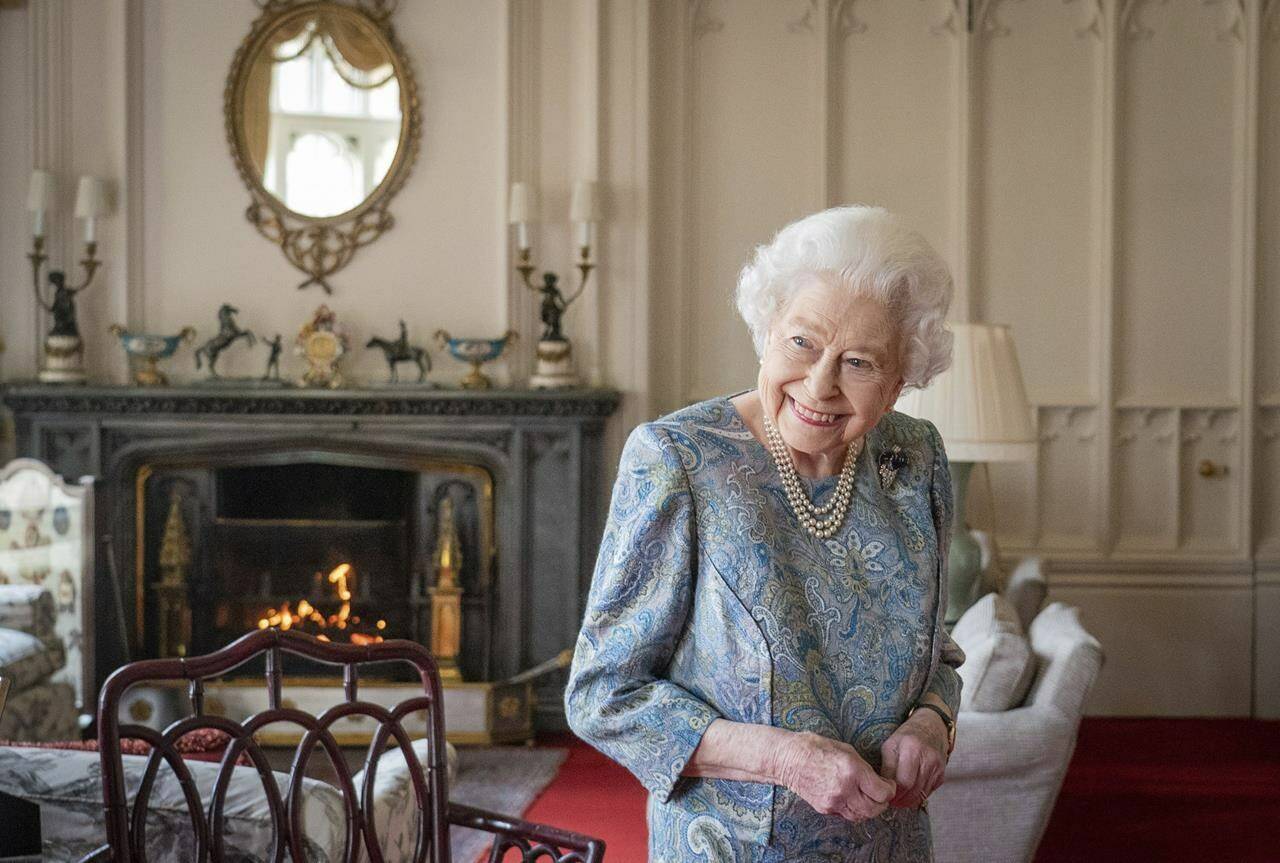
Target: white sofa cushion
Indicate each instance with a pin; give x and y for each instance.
(395, 813)
(998, 664)
(67, 786)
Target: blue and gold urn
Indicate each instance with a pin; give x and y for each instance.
(477, 352)
(150, 349)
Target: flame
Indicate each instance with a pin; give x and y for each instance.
(286, 618)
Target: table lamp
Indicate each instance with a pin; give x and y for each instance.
(980, 408)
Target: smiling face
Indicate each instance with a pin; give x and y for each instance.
(830, 370)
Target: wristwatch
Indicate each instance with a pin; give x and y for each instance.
(946, 720)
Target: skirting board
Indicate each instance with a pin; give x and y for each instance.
(1172, 650)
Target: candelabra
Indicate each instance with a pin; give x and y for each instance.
(555, 366)
(63, 347)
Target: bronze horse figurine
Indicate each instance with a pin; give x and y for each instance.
(228, 332)
(400, 351)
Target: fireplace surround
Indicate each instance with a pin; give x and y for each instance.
(259, 476)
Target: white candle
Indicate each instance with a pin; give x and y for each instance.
(522, 235)
(584, 234)
(91, 202)
(585, 204)
(39, 197)
(522, 204)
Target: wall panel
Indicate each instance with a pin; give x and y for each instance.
(1175, 310)
(743, 185)
(1268, 295)
(1034, 235)
(1210, 481)
(892, 109)
(1146, 482)
(1068, 488)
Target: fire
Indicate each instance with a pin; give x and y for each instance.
(306, 613)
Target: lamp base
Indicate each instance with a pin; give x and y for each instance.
(964, 563)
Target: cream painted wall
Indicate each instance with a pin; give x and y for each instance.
(436, 268)
(1099, 173)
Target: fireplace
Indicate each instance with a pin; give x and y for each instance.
(275, 486)
(337, 544)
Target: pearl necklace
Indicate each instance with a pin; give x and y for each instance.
(820, 521)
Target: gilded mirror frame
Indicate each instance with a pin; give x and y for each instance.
(322, 245)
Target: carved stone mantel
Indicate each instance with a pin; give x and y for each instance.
(542, 448)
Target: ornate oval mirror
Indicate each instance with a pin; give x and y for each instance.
(323, 121)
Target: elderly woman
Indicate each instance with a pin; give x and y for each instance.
(763, 644)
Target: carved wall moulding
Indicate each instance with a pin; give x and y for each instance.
(701, 21)
(1095, 18)
(1076, 421)
(957, 20)
(1236, 18)
(1270, 20)
(843, 20)
(986, 18)
(1131, 26)
(126, 400)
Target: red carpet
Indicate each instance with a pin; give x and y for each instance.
(1137, 790)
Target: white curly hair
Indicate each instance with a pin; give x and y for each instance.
(870, 252)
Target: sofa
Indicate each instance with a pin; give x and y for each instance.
(37, 706)
(1026, 685)
(67, 786)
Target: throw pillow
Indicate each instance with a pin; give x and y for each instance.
(998, 664)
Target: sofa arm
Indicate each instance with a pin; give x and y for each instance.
(1012, 742)
(27, 608)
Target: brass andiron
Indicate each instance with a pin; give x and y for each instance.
(173, 603)
(446, 596)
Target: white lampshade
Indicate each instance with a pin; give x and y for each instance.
(91, 198)
(585, 204)
(979, 404)
(40, 192)
(523, 206)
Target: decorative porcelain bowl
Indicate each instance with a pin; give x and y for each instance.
(151, 349)
(477, 352)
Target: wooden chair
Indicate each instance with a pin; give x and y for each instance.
(125, 825)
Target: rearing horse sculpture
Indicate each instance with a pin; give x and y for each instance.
(400, 351)
(228, 332)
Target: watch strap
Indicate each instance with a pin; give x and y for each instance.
(946, 721)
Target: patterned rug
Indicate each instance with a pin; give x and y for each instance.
(502, 779)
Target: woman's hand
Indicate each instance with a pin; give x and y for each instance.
(915, 758)
(832, 777)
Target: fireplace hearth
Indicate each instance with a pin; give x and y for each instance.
(271, 491)
(331, 544)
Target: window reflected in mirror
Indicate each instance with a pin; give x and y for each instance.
(335, 118)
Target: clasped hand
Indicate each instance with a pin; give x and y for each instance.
(835, 780)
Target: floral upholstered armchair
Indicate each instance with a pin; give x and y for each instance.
(46, 602)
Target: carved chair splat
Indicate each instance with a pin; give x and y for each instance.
(126, 823)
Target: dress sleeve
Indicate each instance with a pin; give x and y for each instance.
(618, 698)
(945, 682)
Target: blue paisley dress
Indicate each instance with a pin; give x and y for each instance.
(710, 600)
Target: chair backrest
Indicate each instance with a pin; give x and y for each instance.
(126, 825)
(46, 539)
